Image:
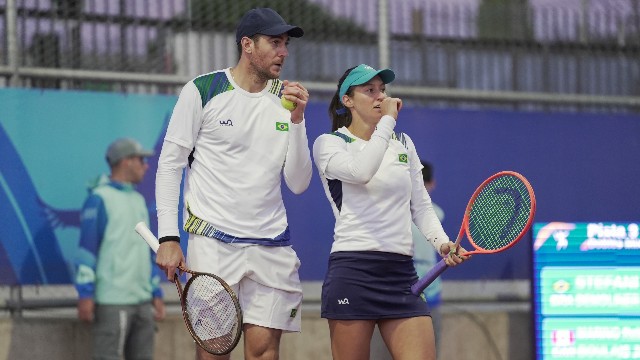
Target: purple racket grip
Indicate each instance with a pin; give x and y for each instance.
(428, 278)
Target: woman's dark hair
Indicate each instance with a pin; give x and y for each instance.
(339, 114)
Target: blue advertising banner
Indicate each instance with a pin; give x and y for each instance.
(53, 143)
(586, 290)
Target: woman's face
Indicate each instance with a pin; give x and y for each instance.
(366, 100)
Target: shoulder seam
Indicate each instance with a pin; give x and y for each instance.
(400, 136)
(344, 137)
(212, 84)
(276, 87)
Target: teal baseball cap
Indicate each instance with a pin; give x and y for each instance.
(363, 73)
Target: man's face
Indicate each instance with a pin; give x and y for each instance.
(267, 57)
(136, 168)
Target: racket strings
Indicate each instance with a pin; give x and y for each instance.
(212, 314)
(500, 213)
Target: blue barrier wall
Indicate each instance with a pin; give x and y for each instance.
(52, 143)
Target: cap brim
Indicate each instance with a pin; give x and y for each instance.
(386, 75)
(362, 74)
(145, 153)
(291, 30)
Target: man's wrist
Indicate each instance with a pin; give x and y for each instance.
(169, 238)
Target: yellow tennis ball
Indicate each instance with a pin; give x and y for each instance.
(287, 104)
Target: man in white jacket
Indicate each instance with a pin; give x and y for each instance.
(237, 141)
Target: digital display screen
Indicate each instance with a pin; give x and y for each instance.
(586, 290)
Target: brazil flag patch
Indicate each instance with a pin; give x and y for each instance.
(402, 158)
(282, 126)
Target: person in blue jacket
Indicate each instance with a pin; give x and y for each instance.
(425, 258)
(117, 284)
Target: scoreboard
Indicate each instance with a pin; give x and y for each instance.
(586, 290)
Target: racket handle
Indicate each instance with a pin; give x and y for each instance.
(147, 235)
(429, 277)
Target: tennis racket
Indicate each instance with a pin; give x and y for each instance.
(498, 215)
(210, 308)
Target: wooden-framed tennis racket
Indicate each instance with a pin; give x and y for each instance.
(210, 307)
(498, 215)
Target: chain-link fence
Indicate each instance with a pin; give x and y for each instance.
(465, 51)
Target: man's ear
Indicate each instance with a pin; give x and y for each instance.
(247, 45)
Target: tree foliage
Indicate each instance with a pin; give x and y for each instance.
(505, 20)
(70, 8)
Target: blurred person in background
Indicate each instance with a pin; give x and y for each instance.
(373, 181)
(236, 141)
(116, 280)
(425, 257)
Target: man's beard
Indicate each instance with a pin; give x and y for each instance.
(262, 74)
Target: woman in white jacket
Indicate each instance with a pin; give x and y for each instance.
(372, 179)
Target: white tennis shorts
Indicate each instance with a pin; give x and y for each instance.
(264, 277)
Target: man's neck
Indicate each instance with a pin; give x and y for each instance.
(120, 178)
(246, 79)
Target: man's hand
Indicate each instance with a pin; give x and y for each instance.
(86, 309)
(160, 311)
(295, 92)
(169, 258)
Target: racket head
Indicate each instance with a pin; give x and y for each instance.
(500, 212)
(212, 313)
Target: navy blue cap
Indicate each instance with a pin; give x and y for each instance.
(265, 21)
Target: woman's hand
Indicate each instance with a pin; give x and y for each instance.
(391, 106)
(454, 254)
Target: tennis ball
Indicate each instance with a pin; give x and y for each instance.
(287, 104)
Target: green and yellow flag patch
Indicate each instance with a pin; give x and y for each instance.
(402, 158)
(280, 126)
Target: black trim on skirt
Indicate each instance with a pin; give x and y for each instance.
(370, 285)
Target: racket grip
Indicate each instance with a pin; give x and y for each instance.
(428, 278)
(147, 235)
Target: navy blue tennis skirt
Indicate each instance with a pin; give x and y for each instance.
(370, 285)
